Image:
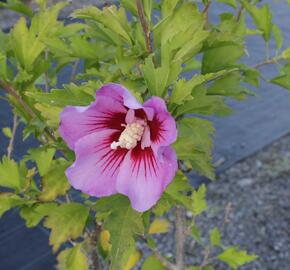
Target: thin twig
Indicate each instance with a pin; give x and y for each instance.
(179, 238)
(266, 62)
(206, 260)
(206, 8)
(10, 90)
(226, 219)
(94, 236)
(12, 139)
(168, 265)
(145, 25)
(240, 12)
(74, 70)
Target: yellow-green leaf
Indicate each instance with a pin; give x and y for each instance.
(199, 202)
(159, 226)
(43, 158)
(10, 174)
(8, 201)
(105, 240)
(72, 259)
(133, 260)
(54, 182)
(66, 222)
(236, 258)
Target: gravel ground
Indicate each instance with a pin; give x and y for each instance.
(259, 191)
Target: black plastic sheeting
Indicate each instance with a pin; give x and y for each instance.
(255, 123)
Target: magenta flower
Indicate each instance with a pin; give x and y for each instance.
(121, 146)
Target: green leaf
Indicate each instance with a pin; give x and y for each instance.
(35, 213)
(221, 56)
(195, 232)
(10, 174)
(43, 158)
(124, 224)
(229, 85)
(231, 3)
(215, 237)
(8, 201)
(50, 114)
(130, 5)
(54, 182)
(152, 77)
(26, 46)
(71, 95)
(151, 263)
(278, 36)
(183, 88)
(148, 9)
(178, 189)
(110, 17)
(66, 222)
(282, 80)
(262, 18)
(3, 65)
(203, 104)
(194, 144)
(167, 7)
(286, 54)
(236, 258)
(180, 40)
(162, 206)
(72, 259)
(7, 132)
(18, 6)
(199, 201)
(252, 76)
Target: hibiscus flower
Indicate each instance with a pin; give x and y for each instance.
(121, 146)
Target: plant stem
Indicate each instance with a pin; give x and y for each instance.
(145, 25)
(168, 265)
(10, 90)
(94, 241)
(240, 12)
(179, 238)
(74, 70)
(266, 62)
(206, 8)
(12, 139)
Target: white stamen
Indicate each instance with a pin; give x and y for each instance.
(131, 135)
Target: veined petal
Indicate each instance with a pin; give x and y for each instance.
(162, 127)
(144, 175)
(104, 113)
(97, 165)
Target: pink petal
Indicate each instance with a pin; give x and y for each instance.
(162, 127)
(104, 113)
(123, 96)
(120, 94)
(144, 175)
(146, 141)
(97, 165)
(130, 116)
(157, 103)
